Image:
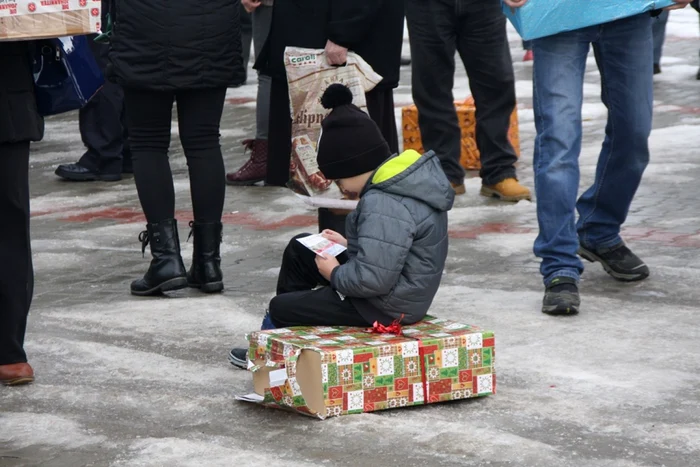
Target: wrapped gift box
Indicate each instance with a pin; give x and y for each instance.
(331, 371)
(43, 19)
(541, 18)
(466, 115)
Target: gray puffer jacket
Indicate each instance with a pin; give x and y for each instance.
(397, 240)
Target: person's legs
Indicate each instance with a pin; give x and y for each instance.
(659, 34)
(149, 116)
(199, 117)
(246, 37)
(625, 59)
(280, 128)
(483, 46)
(319, 307)
(254, 169)
(16, 275)
(558, 75)
(380, 107)
(433, 65)
(101, 129)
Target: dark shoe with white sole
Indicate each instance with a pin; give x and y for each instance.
(618, 261)
(561, 297)
(238, 358)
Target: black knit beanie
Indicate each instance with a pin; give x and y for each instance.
(351, 143)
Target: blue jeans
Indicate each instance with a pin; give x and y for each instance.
(624, 54)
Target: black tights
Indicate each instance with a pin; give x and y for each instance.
(149, 116)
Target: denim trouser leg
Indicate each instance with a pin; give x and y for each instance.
(659, 31)
(624, 55)
(558, 96)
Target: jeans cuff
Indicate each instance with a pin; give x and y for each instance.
(562, 273)
(490, 181)
(607, 244)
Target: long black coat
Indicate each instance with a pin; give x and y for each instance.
(171, 45)
(371, 28)
(19, 119)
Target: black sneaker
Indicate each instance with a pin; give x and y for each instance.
(561, 297)
(618, 261)
(238, 358)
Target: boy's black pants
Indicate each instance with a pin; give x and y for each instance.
(296, 304)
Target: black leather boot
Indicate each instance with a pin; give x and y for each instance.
(167, 271)
(205, 273)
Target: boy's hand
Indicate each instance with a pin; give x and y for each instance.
(334, 236)
(326, 265)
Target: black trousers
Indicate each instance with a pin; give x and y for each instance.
(477, 30)
(149, 115)
(16, 273)
(300, 303)
(103, 124)
(380, 106)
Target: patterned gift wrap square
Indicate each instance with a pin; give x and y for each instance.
(466, 116)
(41, 19)
(331, 371)
(541, 18)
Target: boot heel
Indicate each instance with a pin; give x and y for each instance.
(173, 284)
(212, 287)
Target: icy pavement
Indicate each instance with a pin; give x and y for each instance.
(124, 381)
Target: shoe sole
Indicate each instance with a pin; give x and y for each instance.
(19, 381)
(88, 178)
(244, 182)
(560, 311)
(210, 287)
(167, 286)
(237, 363)
(593, 258)
(491, 193)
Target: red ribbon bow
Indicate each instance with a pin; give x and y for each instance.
(393, 328)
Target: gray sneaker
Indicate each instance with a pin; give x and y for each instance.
(618, 261)
(561, 297)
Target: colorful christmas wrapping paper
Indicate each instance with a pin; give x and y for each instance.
(466, 115)
(331, 371)
(43, 19)
(541, 18)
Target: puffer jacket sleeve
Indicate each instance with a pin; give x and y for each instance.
(385, 231)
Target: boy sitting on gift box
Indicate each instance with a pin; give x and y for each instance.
(397, 235)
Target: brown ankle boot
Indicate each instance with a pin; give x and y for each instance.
(255, 169)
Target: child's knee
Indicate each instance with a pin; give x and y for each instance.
(295, 245)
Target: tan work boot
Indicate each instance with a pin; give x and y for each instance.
(507, 190)
(459, 188)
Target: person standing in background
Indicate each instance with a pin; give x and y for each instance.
(371, 28)
(191, 61)
(624, 54)
(20, 123)
(658, 28)
(102, 123)
(255, 168)
(477, 30)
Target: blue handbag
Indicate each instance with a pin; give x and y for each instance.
(66, 74)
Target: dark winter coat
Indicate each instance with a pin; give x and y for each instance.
(19, 119)
(170, 45)
(397, 240)
(371, 28)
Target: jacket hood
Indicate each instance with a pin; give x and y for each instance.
(417, 176)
